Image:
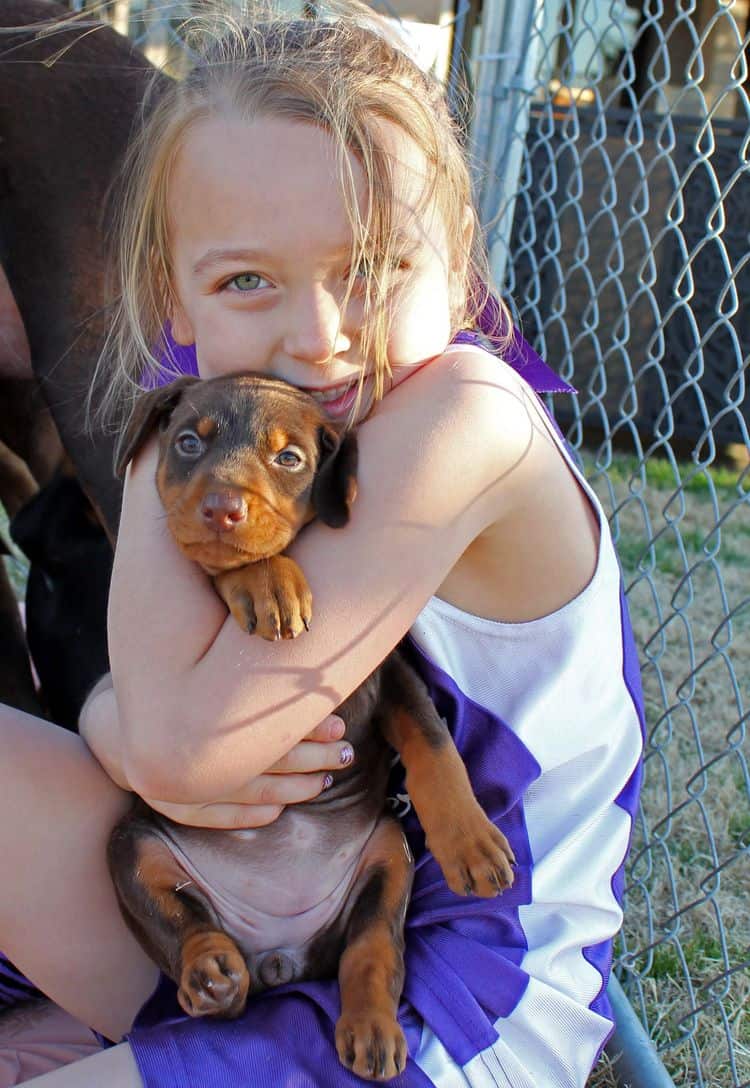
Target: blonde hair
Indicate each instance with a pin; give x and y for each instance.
(346, 74)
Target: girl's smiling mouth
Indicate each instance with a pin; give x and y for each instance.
(338, 400)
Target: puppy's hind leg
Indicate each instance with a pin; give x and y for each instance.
(174, 922)
(369, 1039)
(474, 854)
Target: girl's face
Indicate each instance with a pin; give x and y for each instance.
(261, 244)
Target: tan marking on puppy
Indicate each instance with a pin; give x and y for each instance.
(206, 426)
(214, 980)
(369, 1039)
(474, 855)
(278, 439)
(160, 874)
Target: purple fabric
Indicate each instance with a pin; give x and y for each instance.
(176, 361)
(519, 354)
(15, 987)
(462, 955)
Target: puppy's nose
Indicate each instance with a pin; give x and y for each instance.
(223, 510)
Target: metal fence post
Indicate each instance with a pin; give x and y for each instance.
(634, 1059)
(507, 74)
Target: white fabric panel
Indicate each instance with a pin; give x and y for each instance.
(558, 683)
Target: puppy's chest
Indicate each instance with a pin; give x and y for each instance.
(281, 886)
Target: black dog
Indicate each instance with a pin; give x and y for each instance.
(66, 594)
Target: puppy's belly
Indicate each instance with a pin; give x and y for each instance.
(279, 887)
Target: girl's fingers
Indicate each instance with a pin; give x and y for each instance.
(309, 756)
(260, 803)
(331, 728)
(227, 816)
(301, 775)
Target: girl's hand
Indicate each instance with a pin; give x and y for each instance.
(301, 775)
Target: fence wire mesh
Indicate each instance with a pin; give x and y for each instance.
(617, 198)
(614, 185)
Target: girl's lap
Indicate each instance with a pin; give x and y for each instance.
(38, 1037)
(59, 921)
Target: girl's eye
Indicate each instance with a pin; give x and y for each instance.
(188, 444)
(396, 266)
(289, 458)
(247, 281)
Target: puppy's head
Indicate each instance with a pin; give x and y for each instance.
(244, 463)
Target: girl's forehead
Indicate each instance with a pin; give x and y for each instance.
(275, 174)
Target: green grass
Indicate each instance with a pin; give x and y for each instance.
(702, 954)
(16, 564)
(660, 474)
(663, 555)
(739, 828)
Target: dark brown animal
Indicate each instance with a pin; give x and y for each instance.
(244, 464)
(69, 99)
(70, 96)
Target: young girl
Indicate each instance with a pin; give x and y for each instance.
(300, 207)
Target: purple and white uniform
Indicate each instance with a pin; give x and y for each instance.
(505, 992)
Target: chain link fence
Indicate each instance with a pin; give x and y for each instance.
(616, 192)
(611, 148)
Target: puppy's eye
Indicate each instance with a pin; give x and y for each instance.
(289, 458)
(189, 444)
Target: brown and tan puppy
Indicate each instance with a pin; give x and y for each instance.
(244, 464)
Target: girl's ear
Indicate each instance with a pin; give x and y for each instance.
(151, 408)
(180, 326)
(335, 485)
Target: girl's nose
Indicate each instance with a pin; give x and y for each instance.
(315, 333)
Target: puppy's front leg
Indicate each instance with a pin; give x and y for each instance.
(174, 921)
(270, 598)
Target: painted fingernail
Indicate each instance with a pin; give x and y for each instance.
(328, 782)
(346, 755)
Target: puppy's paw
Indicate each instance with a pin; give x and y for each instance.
(475, 856)
(371, 1044)
(214, 980)
(270, 598)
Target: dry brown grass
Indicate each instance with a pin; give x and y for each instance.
(603, 1075)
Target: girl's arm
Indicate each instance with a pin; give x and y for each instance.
(204, 707)
(300, 775)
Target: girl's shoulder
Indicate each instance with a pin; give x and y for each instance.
(538, 545)
(481, 394)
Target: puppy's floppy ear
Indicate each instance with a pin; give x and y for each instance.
(151, 408)
(335, 485)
